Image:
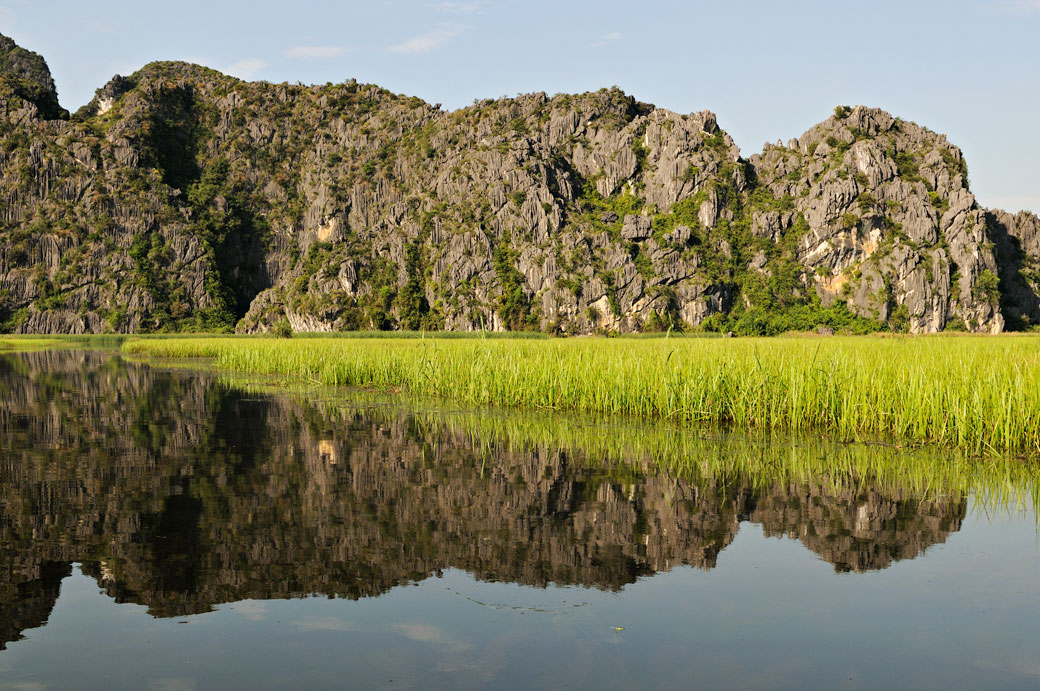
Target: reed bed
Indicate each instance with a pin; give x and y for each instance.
(13, 343)
(977, 394)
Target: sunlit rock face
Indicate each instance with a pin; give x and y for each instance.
(889, 222)
(179, 493)
(182, 198)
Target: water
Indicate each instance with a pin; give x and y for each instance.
(163, 529)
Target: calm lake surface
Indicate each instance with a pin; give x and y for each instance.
(165, 529)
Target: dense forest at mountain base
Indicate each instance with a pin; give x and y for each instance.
(182, 199)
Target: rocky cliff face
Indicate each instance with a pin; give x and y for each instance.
(181, 198)
(890, 226)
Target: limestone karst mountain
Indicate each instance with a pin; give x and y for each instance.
(181, 198)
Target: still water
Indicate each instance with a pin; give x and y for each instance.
(164, 529)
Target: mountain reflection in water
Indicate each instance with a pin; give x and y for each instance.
(179, 492)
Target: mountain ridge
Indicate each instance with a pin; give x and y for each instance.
(183, 199)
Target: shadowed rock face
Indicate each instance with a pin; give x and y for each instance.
(184, 198)
(178, 493)
(1017, 239)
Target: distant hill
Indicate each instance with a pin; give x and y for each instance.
(184, 199)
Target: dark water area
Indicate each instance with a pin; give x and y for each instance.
(165, 529)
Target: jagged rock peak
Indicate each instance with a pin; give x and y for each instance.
(893, 230)
(25, 74)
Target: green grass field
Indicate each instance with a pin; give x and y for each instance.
(979, 394)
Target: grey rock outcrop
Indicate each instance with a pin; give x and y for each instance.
(891, 225)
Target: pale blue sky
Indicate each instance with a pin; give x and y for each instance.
(769, 70)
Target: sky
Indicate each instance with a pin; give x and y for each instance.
(768, 70)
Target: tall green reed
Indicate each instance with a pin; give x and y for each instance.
(979, 394)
